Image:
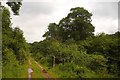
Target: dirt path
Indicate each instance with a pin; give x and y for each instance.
(44, 72)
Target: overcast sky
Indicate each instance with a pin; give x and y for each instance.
(35, 16)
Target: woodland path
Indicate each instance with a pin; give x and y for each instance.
(44, 72)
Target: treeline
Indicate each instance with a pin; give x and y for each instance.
(14, 47)
(71, 50)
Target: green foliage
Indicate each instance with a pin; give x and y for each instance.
(10, 64)
(98, 64)
(71, 61)
(15, 49)
(53, 31)
(107, 45)
(83, 72)
(90, 58)
(78, 53)
(77, 25)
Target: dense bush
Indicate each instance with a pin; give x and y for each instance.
(14, 48)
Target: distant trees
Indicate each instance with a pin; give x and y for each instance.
(77, 25)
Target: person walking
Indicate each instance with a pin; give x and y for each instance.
(30, 71)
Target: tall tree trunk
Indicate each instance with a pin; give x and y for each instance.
(53, 61)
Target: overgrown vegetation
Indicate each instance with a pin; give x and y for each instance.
(72, 50)
(14, 48)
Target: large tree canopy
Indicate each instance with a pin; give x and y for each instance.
(77, 25)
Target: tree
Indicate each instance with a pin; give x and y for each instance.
(53, 31)
(19, 45)
(15, 6)
(14, 47)
(76, 25)
(107, 45)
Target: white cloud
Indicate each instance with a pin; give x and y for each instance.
(105, 25)
(36, 16)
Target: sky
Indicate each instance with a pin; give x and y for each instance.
(36, 15)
